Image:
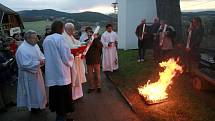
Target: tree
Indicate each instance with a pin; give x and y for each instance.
(170, 11)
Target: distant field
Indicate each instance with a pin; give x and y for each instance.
(38, 26)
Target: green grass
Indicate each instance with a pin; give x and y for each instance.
(132, 71)
(38, 26)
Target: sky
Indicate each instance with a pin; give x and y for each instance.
(102, 6)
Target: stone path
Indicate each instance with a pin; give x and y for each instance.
(106, 106)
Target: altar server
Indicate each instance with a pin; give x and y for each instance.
(110, 56)
(59, 61)
(31, 89)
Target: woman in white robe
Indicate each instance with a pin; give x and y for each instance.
(78, 70)
(31, 89)
(110, 56)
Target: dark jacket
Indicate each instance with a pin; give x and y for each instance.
(196, 38)
(154, 28)
(93, 55)
(139, 32)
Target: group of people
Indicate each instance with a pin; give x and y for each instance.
(64, 72)
(8, 69)
(163, 37)
(159, 34)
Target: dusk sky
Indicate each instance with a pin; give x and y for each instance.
(102, 6)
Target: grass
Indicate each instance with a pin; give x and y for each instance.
(184, 102)
(130, 71)
(38, 26)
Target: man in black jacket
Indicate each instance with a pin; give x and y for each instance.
(142, 33)
(155, 41)
(93, 59)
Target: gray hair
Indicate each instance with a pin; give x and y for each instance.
(29, 33)
(69, 26)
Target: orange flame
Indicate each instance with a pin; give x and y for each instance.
(157, 91)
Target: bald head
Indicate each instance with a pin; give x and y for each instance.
(156, 20)
(69, 28)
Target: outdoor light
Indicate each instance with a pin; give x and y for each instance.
(115, 6)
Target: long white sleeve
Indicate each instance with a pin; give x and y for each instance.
(65, 53)
(27, 63)
(103, 40)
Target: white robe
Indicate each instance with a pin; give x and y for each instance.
(59, 60)
(31, 89)
(78, 71)
(110, 56)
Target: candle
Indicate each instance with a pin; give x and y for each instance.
(144, 26)
(189, 38)
(163, 34)
(91, 40)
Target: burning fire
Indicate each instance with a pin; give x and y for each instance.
(155, 92)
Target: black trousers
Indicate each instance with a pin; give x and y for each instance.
(60, 99)
(192, 60)
(141, 49)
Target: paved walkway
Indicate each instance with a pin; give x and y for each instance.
(106, 106)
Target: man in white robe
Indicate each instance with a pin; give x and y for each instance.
(78, 70)
(31, 89)
(110, 56)
(59, 62)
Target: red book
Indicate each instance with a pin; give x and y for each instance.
(79, 50)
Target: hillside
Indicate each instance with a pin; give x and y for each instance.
(202, 13)
(37, 15)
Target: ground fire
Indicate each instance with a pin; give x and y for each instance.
(157, 92)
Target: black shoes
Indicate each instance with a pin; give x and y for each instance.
(35, 110)
(99, 90)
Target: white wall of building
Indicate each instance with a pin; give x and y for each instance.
(130, 14)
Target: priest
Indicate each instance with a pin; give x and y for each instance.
(59, 61)
(110, 56)
(78, 70)
(31, 89)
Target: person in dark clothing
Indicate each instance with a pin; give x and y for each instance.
(2, 75)
(142, 33)
(195, 38)
(4, 71)
(5, 99)
(93, 59)
(154, 32)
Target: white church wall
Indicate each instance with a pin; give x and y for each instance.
(122, 23)
(129, 16)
